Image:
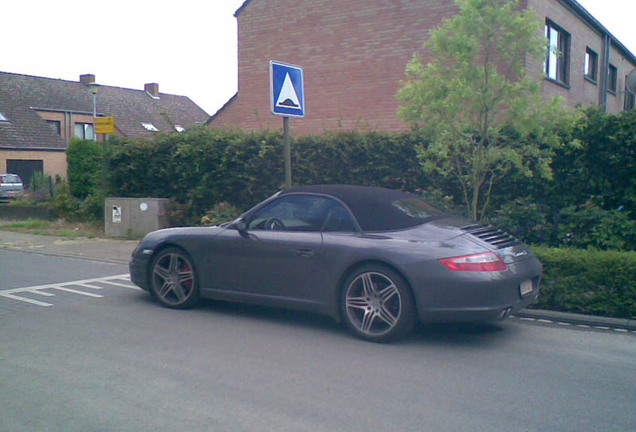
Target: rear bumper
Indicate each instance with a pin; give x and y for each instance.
(478, 314)
(457, 296)
(10, 194)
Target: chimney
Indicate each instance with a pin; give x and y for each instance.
(152, 89)
(87, 79)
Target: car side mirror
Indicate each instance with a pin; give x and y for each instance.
(241, 225)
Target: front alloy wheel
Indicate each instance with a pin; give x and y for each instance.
(377, 304)
(173, 279)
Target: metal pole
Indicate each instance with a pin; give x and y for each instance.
(288, 176)
(94, 90)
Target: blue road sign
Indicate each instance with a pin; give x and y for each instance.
(286, 88)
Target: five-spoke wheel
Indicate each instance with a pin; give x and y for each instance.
(173, 279)
(377, 304)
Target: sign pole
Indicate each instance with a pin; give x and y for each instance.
(287, 99)
(288, 175)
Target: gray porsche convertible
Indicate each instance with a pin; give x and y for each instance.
(375, 258)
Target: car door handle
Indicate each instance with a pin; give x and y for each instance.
(305, 253)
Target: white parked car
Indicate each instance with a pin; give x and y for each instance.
(10, 186)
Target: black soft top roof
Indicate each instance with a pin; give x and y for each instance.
(374, 207)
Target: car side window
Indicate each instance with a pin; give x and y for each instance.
(338, 219)
(293, 213)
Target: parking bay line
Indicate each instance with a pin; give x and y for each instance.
(79, 292)
(109, 280)
(25, 299)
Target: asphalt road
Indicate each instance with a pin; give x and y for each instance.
(119, 362)
(20, 269)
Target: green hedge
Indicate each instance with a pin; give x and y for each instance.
(591, 203)
(588, 281)
(203, 167)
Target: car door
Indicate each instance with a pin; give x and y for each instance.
(281, 252)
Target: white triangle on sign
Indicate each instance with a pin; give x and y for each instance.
(288, 97)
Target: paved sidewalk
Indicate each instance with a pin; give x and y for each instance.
(98, 249)
(119, 251)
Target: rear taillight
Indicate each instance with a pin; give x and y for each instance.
(487, 261)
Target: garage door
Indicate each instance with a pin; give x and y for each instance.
(26, 169)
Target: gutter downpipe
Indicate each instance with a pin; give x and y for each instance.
(605, 53)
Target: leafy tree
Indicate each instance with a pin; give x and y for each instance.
(481, 113)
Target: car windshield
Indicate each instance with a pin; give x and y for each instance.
(10, 178)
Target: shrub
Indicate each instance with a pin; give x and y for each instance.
(220, 213)
(84, 172)
(63, 204)
(591, 226)
(588, 282)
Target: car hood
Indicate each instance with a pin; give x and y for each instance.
(168, 234)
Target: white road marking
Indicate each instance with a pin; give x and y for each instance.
(85, 285)
(44, 293)
(26, 300)
(583, 326)
(14, 293)
(79, 292)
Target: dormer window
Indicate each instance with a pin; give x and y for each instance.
(3, 118)
(149, 127)
(179, 128)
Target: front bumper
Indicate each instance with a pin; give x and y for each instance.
(139, 270)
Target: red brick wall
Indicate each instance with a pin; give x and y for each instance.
(353, 54)
(616, 102)
(581, 91)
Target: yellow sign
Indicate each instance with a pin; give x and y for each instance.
(105, 125)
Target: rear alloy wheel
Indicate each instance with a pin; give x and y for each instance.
(173, 279)
(377, 304)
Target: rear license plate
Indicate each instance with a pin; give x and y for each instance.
(525, 288)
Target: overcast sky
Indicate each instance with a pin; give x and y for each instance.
(187, 46)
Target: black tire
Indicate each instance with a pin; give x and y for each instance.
(173, 279)
(377, 304)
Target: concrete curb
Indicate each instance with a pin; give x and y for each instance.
(578, 319)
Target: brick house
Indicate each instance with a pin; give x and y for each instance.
(39, 116)
(354, 53)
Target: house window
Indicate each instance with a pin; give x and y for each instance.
(85, 131)
(629, 98)
(56, 126)
(558, 59)
(149, 127)
(3, 118)
(612, 79)
(590, 68)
